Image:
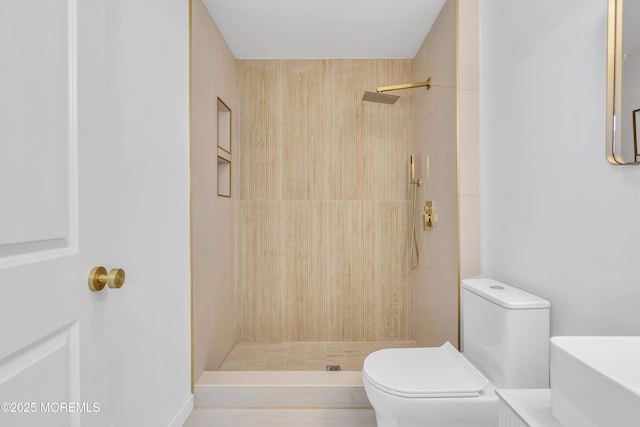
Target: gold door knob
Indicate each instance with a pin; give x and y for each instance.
(115, 278)
(98, 278)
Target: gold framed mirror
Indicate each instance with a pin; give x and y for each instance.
(623, 81)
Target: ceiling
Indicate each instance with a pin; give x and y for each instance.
(304, 29)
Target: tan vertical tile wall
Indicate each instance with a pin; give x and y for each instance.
(213, 74)
(435, 125)
(322, 209)
(469, 122)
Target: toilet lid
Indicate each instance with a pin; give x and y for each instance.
(423, 372)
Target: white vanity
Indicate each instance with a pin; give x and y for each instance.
(526, 408)
(595, 382)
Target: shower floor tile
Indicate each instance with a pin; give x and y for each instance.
(303, 356)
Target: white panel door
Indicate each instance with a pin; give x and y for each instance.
(53, 331)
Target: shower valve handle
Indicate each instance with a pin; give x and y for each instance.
(429, 214)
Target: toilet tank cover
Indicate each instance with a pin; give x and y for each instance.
(504, 295)
(424, 372)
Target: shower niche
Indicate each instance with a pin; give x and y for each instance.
(224, 149)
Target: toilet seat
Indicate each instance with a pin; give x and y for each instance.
(423, 372)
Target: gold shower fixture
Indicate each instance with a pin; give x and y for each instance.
(413, 180)
(429, 216)
(426, 83)
(415, 183)
(380, 97)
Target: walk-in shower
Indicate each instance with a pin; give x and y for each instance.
(322, 227)
(307, 266)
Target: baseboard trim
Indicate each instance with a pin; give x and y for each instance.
(183, 413)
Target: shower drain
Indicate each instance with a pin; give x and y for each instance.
(333, 368)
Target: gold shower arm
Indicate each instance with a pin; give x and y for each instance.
(405, 86)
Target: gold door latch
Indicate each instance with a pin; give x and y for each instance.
(429, 214)
(98, 278)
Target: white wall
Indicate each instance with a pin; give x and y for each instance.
(147, 60)
(558, 220)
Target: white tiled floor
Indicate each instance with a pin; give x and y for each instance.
(281, 418)
(303, 356)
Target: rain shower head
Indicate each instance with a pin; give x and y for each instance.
(383, 98)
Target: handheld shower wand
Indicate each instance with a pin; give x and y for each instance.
(413, 174)
(415, 183)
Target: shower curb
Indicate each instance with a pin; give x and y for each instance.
(281, 389)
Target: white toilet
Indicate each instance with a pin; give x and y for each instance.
(505, 344)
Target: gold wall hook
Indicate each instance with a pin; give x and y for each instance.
(98, 278)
